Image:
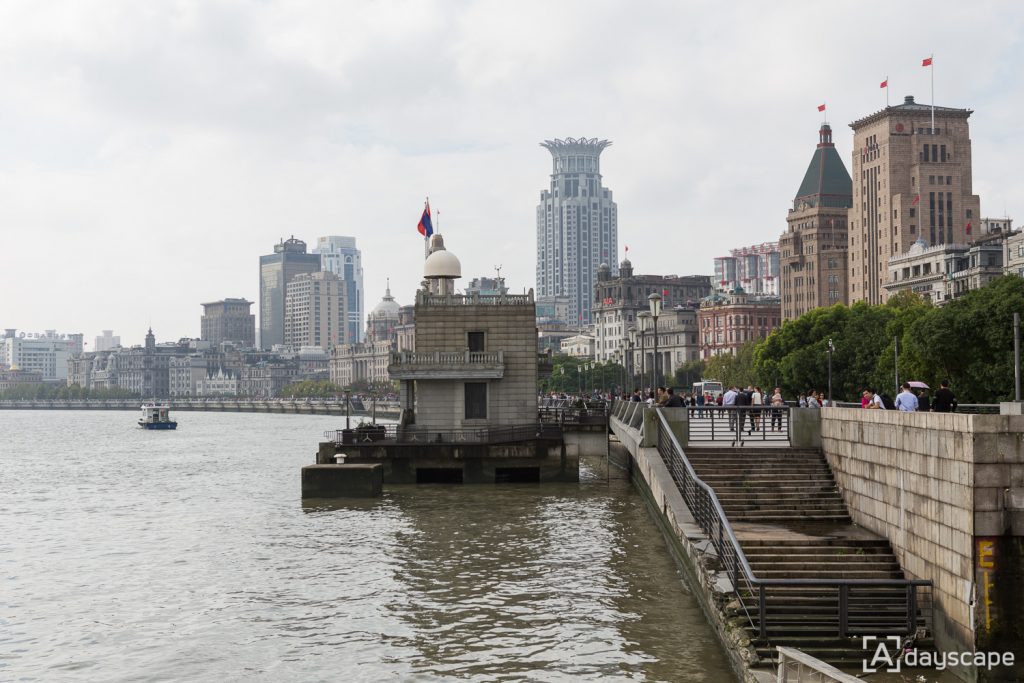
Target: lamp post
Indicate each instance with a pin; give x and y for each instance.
(641, 319)
(631, 357)
(831, 348)
(655, 301)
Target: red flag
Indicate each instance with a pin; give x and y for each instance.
(821, 107)
(885, 84)
(926, 62)
(968, 227)
(916, 200)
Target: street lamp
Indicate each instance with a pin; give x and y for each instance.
(831, 348)
(655, 301)
(631, 357)
(641, 320)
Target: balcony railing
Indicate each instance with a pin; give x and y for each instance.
(428, 299)
(447, 365)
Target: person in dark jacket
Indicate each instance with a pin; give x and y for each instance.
(743, 399)
(944, 401)
(673, 399)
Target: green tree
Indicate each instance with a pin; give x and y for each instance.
(732, 369)
(689, 372)
(969, 341)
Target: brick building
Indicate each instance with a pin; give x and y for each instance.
(727, 321)
(813, 251)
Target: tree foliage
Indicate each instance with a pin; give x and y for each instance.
(311, 389)
(969, 341)
(732, 369)
(572, 375)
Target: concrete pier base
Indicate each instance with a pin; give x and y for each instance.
(342, 481)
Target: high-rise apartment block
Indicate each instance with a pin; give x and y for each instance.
(229, 320)
(276, 271)
(107, 341)
(754, 268)
(911, 181)
(813, 251)
(315, 311)
(577, 225)
(339, 255)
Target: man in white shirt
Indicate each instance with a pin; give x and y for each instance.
(729, 401)
(906, 401)
(876, 401)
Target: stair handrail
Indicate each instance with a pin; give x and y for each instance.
(725, 532)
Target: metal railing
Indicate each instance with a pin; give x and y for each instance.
(417, 435)
(739, 424)
(447, 357)
(595, 415)
(861, 606)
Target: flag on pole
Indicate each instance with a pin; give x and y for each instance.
(916, 200)
(885, 83)
(927, 61)
(821, 107)
(425, 227)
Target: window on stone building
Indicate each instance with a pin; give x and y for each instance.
(476, 400)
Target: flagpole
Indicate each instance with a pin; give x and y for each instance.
(426, 239)
(931, 63)
(886, 92)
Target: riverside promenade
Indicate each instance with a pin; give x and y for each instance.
(866, 523)
(382, 410)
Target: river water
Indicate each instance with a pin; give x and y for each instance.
(132, 555)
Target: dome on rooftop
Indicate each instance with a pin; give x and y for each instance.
(441, 262)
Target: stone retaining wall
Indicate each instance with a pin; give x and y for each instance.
(933, 484)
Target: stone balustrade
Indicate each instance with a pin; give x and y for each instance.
(447, 365)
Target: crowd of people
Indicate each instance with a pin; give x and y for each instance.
(909, 399)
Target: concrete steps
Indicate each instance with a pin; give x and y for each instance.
(802, 530)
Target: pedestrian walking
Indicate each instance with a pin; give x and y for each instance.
(945, 401)
(757, 403)
(906, 401)
(777, 404)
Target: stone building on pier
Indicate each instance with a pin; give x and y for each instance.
(475, 361)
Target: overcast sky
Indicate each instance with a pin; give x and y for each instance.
(151, 151)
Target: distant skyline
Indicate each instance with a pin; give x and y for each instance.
(153, 151)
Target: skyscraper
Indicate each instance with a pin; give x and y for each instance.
(339, 255)
(912, 181)
(577, 225)
(276, 271)
(315, 311)
(814, 248)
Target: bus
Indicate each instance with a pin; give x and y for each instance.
(708, 386)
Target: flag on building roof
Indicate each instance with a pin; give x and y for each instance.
(821, 107)
(425, 227)
(884, 84)
(926, 61)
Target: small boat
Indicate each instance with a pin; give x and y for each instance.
(156, 416)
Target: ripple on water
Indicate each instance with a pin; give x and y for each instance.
(176, 556)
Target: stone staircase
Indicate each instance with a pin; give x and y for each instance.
(791, 522)
(770, 485)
